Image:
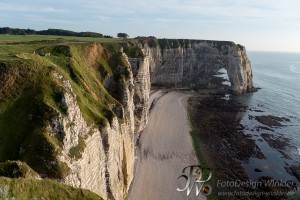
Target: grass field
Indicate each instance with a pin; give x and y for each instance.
(8, 38)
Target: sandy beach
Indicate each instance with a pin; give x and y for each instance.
(163, 150)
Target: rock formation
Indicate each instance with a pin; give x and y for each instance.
(89, 102)
(105, 165)
(193, 63)
(190, 66)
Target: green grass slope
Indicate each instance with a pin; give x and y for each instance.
(30, 96)
(18, 181)
(17, 169)
(28, 189)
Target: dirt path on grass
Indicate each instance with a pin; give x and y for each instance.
(164, 149)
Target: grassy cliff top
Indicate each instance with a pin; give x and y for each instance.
(116, 42)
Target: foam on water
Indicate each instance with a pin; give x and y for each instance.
(294, 69)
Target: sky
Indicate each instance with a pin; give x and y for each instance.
(262, 25)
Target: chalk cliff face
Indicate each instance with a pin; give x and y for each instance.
(78, 116)
(140, 68)
(194, 64)
(87, 77)
(105, 165)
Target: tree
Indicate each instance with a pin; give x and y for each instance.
(122, 35)
(59, 32)
(5, 30)
(30, 31)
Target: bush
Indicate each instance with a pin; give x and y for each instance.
(122, 35)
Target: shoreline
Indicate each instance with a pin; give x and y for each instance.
(223, 145)
(226, 152)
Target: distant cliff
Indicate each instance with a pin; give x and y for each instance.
(192, 63)
(78, 105)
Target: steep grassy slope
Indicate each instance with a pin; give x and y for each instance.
(33, 79)
(22, 188)
(30, 95)
(18, 180)
(17, 169)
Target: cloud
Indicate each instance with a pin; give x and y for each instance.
(15, 7)
(236, 19)
(39, 19)
(266, 10)
(11, 7)
(230, 10)
(53, 10)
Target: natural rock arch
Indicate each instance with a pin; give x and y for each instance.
(194, 65)
(220, 79)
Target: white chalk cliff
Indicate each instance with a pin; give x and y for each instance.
(107, 162)
(194, 64)
(101, 158)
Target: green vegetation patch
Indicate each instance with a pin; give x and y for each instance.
(194, 132)
(152, 42)
(240, 47)
(132, 47)
(76, 151)
(16, 169)
(176, 43)
(22, 188)
(13, 38)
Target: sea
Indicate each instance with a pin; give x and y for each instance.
(278, 76)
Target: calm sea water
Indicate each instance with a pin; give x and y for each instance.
(278, 74)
